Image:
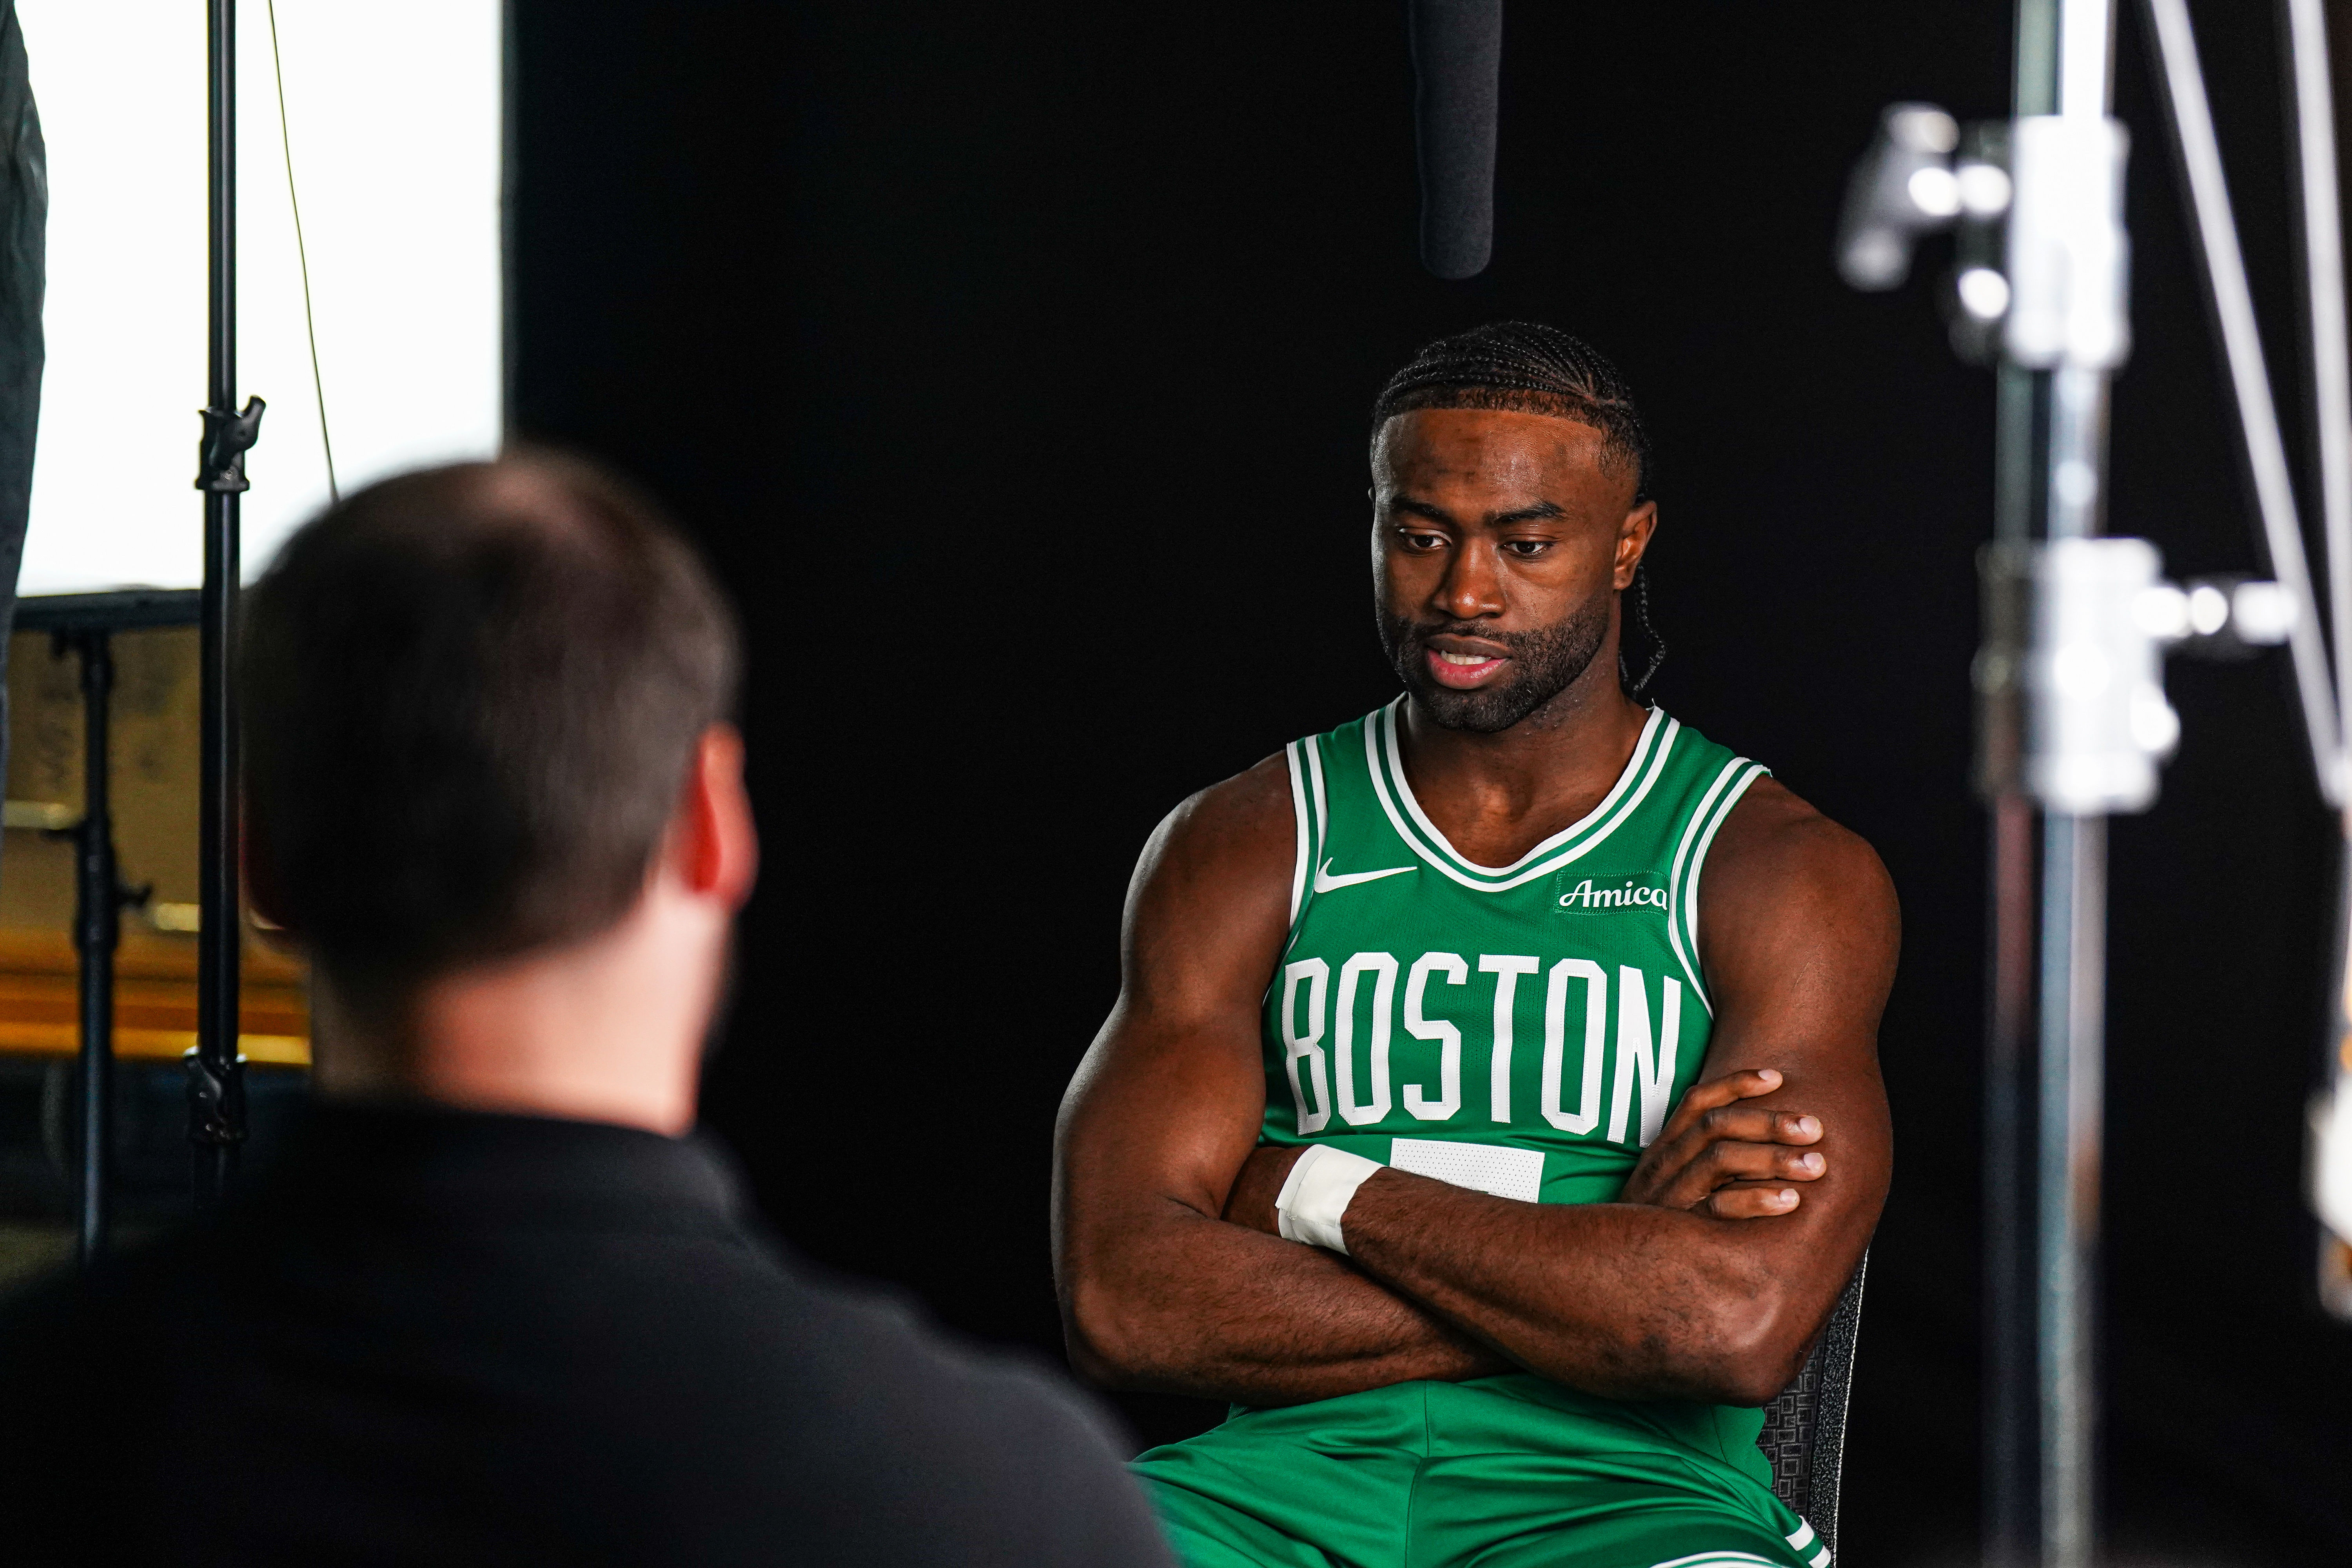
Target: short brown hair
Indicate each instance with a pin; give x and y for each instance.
(471, 698)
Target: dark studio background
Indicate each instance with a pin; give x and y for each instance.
(1011, 364)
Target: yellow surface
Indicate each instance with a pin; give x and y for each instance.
(155, 999)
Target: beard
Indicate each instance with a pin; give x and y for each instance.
(1543, 664)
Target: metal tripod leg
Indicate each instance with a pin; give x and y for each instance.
(97, 929)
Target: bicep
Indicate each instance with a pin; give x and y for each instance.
(1167, 1103)
(1799, 930)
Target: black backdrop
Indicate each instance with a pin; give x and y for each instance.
(1011, 364)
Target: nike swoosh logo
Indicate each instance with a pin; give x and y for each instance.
(1325, 882)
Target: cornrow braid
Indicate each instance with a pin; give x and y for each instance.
(1535, 369)
(1531, 368)
(1634, 688)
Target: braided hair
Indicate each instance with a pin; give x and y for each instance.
(1531, 368)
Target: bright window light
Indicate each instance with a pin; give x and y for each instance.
(395, 115)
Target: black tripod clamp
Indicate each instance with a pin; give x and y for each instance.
(220, 457)
(213, 1122)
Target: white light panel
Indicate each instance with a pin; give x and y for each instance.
(394, 115)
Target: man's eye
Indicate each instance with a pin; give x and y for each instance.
(1422, 543)
(1525, 548)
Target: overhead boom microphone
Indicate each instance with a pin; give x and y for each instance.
(1457, 59)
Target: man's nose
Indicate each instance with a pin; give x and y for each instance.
(1472, 588)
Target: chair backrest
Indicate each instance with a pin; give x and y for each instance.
(1804, 1428)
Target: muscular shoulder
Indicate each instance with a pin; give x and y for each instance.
(1211, 899)
(1235, 834)
(1779, 869)
(1250, 810)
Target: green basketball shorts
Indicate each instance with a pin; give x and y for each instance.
(1504, 1472)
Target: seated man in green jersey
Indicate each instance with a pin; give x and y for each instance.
(1493, 1173)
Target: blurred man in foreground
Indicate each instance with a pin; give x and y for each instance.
(495, 1305)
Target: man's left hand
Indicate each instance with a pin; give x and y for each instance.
(1726, 1159)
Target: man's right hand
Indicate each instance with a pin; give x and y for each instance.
(1721, 1157)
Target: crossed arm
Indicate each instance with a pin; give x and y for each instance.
(1708, 1281)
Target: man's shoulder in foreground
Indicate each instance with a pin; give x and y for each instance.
(446, 1362)
(894, 1432)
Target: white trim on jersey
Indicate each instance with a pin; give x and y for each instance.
(1315, 780)
(1657, 740)
(1687, 951)
(1430, 830)
(1304, 852)
(1698, 864)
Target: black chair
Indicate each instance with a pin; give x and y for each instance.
(1804, 1428)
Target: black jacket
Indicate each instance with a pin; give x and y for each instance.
(437, 1337)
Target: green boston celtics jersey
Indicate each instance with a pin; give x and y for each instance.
(1521, 1029)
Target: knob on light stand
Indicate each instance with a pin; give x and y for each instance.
(2070, 680)
(1902, 188)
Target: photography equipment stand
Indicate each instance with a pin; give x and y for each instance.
(2073, 715)
(2072, 718)
(216, 1079)
(85, 624)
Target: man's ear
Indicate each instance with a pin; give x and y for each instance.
(714, 848)
(262, 889)
(1633, 542)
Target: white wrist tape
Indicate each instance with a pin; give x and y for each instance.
(1315, 1197)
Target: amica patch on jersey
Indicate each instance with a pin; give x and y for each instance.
(1578, 892)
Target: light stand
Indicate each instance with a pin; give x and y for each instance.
(2073, 716)
(85, 624)
(2066, 425)
(215, 1070)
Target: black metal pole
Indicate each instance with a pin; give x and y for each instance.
(97, 931)
(215, 1083)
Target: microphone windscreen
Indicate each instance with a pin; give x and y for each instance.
(1458, 58)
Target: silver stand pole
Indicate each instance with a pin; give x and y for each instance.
(2069, 1118)
(2013, 1418)
(2074, 999)
(2042, 1220)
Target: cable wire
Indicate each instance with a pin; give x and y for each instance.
(302, 257)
